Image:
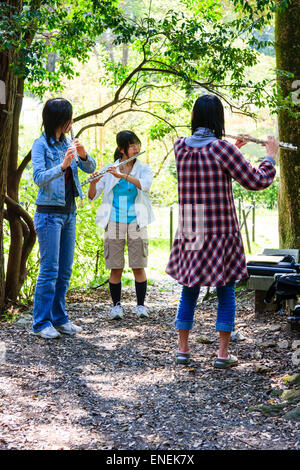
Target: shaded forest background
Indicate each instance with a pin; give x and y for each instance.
(129, 75)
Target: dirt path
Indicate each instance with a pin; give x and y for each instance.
(115, 385)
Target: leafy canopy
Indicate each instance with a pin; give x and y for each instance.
(194, 48)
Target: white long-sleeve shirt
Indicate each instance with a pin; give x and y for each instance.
(142, 206)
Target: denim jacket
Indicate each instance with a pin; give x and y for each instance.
(47, 172)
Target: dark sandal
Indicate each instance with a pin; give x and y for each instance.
(226, 363)
(182, 358)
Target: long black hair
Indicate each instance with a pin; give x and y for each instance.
(124, 139)
(208, 112)
(57, 112)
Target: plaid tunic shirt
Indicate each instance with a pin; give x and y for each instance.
(208, 248)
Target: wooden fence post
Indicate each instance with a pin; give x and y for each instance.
(253, 222)
(171, 227)
(246, 229)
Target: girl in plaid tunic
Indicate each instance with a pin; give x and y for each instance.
(208, 248)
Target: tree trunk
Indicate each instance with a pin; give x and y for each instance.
(287, 39)
(22, 233)
(16, 230)
(6, 126)
(21, 225)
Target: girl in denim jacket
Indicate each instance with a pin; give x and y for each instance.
(55, 172)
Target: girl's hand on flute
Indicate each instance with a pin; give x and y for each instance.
(69, 155)
(80, 149)
(92, 188)
(271, 146)
(240, 142)
(113, 171)
(93, 183)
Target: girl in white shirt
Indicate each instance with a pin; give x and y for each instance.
(125, 212)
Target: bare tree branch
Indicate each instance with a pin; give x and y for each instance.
(116, 97)
(23, 164)
(18, 209)
(163, 162)
(102, 124)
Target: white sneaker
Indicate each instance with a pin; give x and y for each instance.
(116, 312)
(236, 336)
(48, 333)
(69, 328)
(141, 311)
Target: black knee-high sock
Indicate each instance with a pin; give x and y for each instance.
(140, 289)
(115, 292)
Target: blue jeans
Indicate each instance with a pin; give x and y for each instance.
(56, 236)
(225, 313)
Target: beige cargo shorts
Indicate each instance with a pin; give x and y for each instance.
(114, 245)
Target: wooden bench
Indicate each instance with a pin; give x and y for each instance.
(261, 284)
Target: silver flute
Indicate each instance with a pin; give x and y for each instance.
(102, 172)
(258, 141)
(75, 154)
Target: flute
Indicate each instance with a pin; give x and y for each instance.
(102, 172)
(75, 154)
(259, 141)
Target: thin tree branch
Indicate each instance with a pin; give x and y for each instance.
(116, 97)
(18, 209)
(102, 124)
(163, 162)
(23, 164)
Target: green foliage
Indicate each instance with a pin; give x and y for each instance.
(267, 198)
(262, 7)
(192, 52)
(158, 130)
(194, 48)
(88, 268)
(164, 188)
(187, 55)
(201, 8)
(62, 26)
(265, 41)
(32, 267)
